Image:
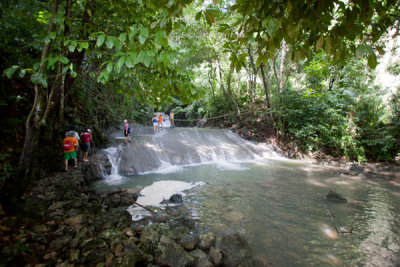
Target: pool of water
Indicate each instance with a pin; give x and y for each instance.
(281, 206)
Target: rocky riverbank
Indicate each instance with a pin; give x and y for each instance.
(68, 225)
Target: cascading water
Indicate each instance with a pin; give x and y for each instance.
(180, 146)
(235, 185)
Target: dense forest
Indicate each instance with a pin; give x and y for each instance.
(301, 73)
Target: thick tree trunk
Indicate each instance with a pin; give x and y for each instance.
(32, 124)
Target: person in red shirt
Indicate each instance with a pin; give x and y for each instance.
(70, 145)
(86, 138)
(160, 121)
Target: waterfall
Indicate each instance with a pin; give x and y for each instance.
(114, 157)
(173, 148)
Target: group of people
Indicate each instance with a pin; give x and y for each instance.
(71, 145)
(158, 121)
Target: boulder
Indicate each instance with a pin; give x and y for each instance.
(168, 252)
(207, 240)
(201, 258)
(235, 250)
(335, 197)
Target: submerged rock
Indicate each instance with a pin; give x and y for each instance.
(235, 250)
(335, 197)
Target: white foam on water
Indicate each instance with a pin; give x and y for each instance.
(166, 168)
(230, 166)
(154, 195)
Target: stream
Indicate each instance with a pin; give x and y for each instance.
(233, 185)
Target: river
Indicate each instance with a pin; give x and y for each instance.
(230, 184)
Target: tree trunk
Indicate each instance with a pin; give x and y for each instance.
(32, 124)
(266, 90)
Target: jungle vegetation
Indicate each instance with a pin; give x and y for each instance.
(302, 72)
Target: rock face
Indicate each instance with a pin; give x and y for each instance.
(335, 197)
(77, 227)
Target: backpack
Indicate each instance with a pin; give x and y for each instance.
(68, 145)
(85, 137)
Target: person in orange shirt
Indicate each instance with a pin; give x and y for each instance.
(70, 145)
(160, 124)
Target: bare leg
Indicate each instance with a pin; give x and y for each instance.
(75, 162)
(66, 165)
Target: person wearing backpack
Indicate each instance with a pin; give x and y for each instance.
(86, 138)
(70, 145)
(127, 131)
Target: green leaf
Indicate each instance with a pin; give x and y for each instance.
(100, 40)
(128, 61)
(71, 47)
(63, 60)
(43, 82)
(52, 35)
(360, 51)
(198, 15)
(110, 42)
(120, 62)
(372, 61)
(109, 67)
(139, 58)
(142, 39)
(144, 32)
(65, 69)
(122, 37)
(133, 32)
(36, 66)
(11, 70)
(22, 73)
(153, 24)
(146, 60)
(35, 79)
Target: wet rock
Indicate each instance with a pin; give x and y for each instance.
(41, 228)
(207, 240)
(50, 256)
(60, 243)
(235, 250)
(188, 242)
(74, 255)
(170, 253)
(175, 198)
(201, 258)
(216, 256)
(77, 222)
(335, 197)
(356, 169)
(149, 237)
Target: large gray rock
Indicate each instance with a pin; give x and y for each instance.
(168, 252)
(207, 240)
(201, 258)
(235, 250)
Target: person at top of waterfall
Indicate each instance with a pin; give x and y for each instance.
(171, 118)
(70, 146)
(160, 121)
(86, 138)
(155, 123)
(127, 131)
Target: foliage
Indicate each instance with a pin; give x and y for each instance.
(341, 28)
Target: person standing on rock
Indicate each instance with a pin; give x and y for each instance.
(86, 138)
(155, 123)
(70, 146)
(160, 121)
(127, 131)
(172, 119)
